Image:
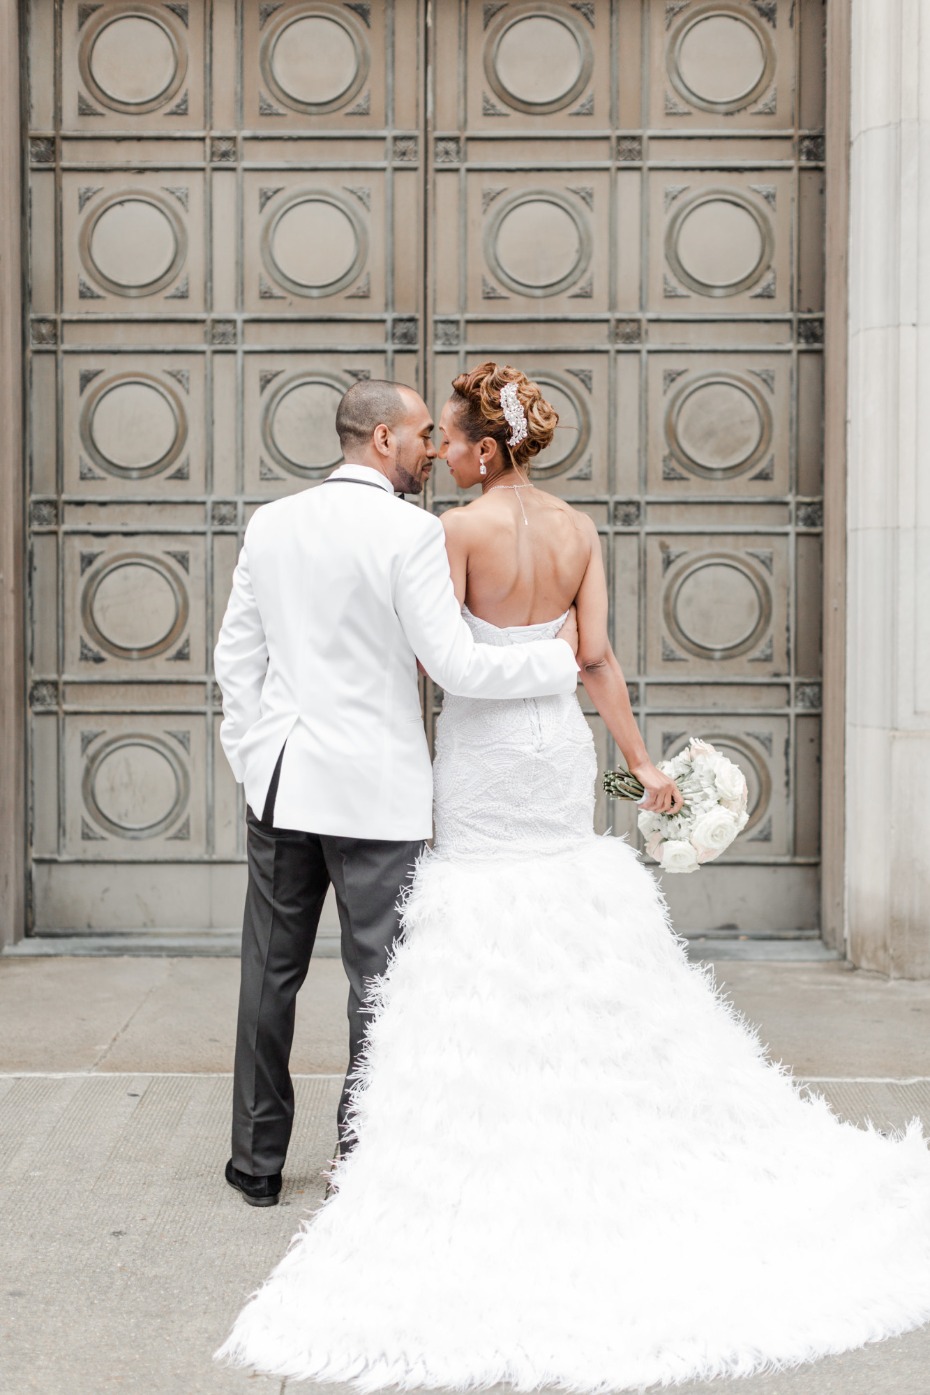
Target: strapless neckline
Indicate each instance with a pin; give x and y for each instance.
(522, 629)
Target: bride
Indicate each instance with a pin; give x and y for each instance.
(575, 1165)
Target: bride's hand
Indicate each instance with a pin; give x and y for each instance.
(662, 794)
(569, 631)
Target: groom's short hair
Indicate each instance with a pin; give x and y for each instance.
(369, 403)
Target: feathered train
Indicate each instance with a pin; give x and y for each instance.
(577, 1167)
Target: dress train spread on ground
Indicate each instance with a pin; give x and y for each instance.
(576, 1165)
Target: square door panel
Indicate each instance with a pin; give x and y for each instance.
(720, 425)
(290, 405)
(716, 604)
(722, 241)
(134, 606)
(135, 787)
(544, 65)
(315, 241)
(133, 243)
(760, 746)
(577, 463)
(536, 242)
(316, 67)
(716, 66)
(136, 67)
(134, 425)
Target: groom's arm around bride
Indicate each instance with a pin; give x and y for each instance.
(338, 591)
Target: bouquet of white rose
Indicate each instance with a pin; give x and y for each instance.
(714, 809)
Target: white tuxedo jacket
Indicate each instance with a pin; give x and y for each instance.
(337, 592)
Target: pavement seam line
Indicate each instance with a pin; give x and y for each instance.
(338, 1075)
(129, 1020)
(865, 1079)
(158, 1074)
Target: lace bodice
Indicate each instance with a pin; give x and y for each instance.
(512, 776)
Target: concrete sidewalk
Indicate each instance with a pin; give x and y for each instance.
(127, 1256)
(179, 1014)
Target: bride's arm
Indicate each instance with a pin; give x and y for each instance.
(605, 684)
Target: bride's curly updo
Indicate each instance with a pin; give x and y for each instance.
(478, 413)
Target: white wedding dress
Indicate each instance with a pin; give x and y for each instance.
(575, 1165)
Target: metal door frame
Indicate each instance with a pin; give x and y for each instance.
(13, 911)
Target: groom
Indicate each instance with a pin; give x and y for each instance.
(337, 593)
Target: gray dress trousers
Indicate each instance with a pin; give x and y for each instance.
(290, 873)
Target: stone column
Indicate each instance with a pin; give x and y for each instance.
(888, 627)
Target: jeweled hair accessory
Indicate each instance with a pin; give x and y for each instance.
(516, 417)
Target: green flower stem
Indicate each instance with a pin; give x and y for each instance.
(621, 784)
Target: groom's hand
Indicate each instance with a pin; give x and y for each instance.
(569, 631)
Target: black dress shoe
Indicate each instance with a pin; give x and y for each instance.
(257, 1191)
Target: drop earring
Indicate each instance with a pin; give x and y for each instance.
(482, 469)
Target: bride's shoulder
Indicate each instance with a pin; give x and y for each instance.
(584, 523)
(571, 518)
(461, 519)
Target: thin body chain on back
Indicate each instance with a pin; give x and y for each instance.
(519, 500)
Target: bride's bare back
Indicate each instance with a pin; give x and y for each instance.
(515, 572)
(518, 556)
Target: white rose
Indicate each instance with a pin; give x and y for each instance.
(729, 780)
(699, 748)
(654, 845)
(649, 823)
(675, 768)
(702, 784)
(713, 832)
(677, 855)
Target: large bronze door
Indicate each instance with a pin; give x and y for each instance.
(237, 209)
